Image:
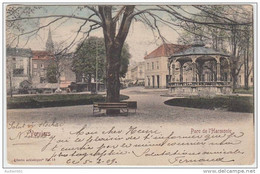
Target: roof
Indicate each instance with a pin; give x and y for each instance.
(199, 50)
(21, 52)
(41, 55)
(166, 50)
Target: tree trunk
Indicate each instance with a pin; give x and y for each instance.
(234, 57)
(246, 64)
(113, 81)
(114, 44)
(234, 82)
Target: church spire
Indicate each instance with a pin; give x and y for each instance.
(49, 43)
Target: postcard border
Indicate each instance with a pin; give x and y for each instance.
(255, 6)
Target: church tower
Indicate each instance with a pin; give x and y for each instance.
(49, 43)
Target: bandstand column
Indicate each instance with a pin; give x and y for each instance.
(173, 72)
(181, 71)
(194, 69)
(228, 73)
(218, 69)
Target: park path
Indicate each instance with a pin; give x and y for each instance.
(152, 114)
(150, 109)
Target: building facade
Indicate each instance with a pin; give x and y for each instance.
(18, 68)
(135, 75)
(40, 62)
(67, 75)
(156, 65)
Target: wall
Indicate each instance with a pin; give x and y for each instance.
(156, 67)
(18, 63)
(39, 69)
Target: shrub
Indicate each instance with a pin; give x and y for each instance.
(229, 103)
(56, 100)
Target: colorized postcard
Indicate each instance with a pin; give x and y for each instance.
(129, 85)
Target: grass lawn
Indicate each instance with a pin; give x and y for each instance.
(244, 91)
(229, 103)
(55, 100)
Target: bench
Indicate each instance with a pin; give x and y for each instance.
(131, 104)
(99, 106)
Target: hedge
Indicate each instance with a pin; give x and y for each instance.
(56, 100)
(229, 103)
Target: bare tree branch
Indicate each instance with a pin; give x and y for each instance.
(116, 17)
(56, 16)
(183, 18)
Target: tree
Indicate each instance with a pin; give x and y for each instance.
(87, 55)
(52, 73)
(115, 22)
(125, 60)
(9, 75)
(61, 60)
(91, 53)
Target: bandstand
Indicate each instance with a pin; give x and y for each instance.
(209, 72)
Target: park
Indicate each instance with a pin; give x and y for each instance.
(130, 85)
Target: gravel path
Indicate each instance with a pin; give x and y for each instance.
(152, 114)
(150, 109)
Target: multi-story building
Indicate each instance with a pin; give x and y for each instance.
(18, 68)
(67, 75)
(135, 74)
(156, 65)
(40, 62)
(43, 59)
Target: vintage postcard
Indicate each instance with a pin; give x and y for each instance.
(129, 85)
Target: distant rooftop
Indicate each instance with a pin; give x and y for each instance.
(21, 52)
(41, 55)
(166, 50)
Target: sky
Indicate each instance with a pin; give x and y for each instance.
(141, 39)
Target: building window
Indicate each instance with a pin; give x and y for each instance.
(147, 66)
(42, 73)
(152, 65)
(42, 65)
(21, 64)
(18, 64)
(18, 72)
(157, 64)
(35, 65)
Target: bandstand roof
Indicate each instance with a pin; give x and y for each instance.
(198, 50)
